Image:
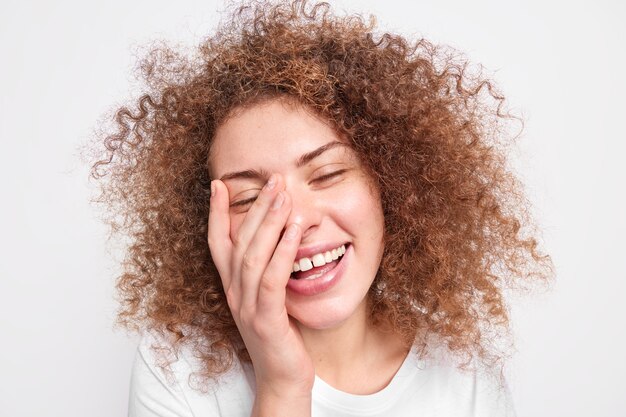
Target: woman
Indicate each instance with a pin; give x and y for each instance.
(361, 224)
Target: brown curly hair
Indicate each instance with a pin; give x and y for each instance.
(429, 130)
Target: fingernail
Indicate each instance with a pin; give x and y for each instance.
(213, 189)
(271, 182)
(278, 201)
(291, 232)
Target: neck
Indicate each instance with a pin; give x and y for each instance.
(347, 355)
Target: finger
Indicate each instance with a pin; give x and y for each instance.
(273, 284)
(220, 244)
(256, 214)
(261, 248)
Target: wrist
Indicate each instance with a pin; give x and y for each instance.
(288, 402)
(295, 386)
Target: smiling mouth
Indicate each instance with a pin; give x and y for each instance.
(317, 265)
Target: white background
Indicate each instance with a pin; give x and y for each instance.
(64, 66)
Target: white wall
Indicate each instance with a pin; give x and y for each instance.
(64, 64)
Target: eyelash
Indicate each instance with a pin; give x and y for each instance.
(324, 177)
(243, 202)
(329, 175)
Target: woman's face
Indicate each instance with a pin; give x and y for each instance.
(333, 200)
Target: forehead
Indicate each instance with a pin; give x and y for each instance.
(270, 135)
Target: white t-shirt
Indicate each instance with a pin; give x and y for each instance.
(419, 388)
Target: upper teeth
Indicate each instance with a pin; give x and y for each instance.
(319, 259)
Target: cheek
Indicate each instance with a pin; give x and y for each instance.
(361, 209)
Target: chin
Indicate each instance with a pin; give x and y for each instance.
(324, 317)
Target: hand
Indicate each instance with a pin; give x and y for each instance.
(255, 266)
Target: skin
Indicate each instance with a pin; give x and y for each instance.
(257, 224)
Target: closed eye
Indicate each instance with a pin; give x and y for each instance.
(245, 202)
(328, 176)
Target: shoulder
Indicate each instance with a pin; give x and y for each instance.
(165, 382)
(472, 390)
(451, 385)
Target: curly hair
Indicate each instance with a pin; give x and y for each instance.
(427, 128)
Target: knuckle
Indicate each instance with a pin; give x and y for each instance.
(211, 241)
(259, 328)
(233, 306)
(238, 239)
(232, 300)
(275, 218)
(217, 243)
(267, 284)
(247, 319)
(249, 262)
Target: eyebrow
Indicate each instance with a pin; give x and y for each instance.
(309, 156)
(247, 174)
(262, 174)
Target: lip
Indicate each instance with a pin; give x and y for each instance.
(310, 287)
(320, 248)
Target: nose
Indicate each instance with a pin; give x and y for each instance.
(306, 208)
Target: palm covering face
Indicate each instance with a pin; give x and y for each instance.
(254, 267)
